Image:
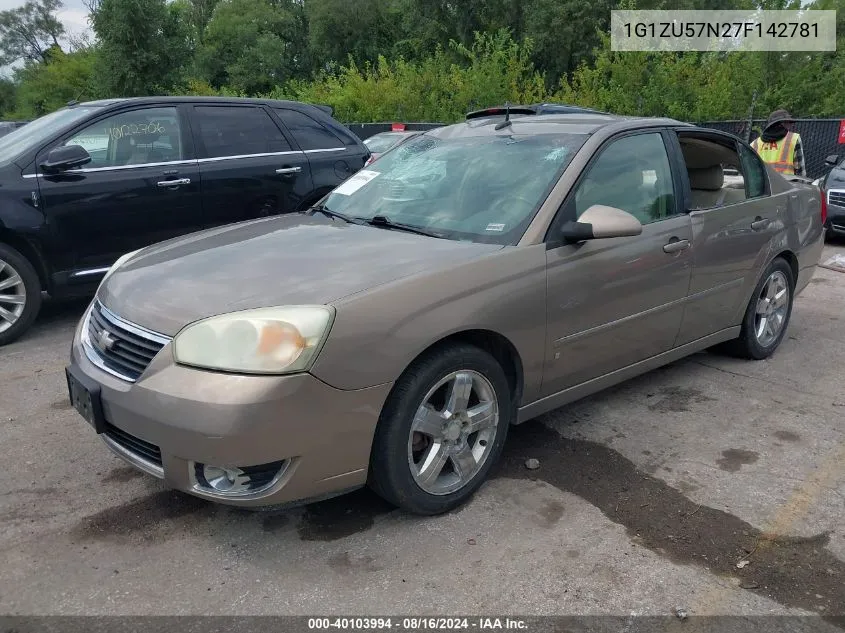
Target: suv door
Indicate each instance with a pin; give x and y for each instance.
(614, 302)
(734, 220)
(333, 158)
(141, 187)
(248, 167)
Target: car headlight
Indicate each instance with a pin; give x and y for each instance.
(120, 261)
(263, 341)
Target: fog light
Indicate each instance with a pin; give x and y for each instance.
(222, 479)
(243, 481)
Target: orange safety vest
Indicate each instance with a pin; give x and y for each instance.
(780, 154)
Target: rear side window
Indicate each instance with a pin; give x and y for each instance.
(308, 132)
(754, 172)
(238, 131)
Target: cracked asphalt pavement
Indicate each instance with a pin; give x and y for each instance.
(713, 484)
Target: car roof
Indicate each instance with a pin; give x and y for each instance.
(580, 123)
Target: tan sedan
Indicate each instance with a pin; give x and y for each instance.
(473, 278)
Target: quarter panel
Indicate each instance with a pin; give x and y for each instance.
(378, 333)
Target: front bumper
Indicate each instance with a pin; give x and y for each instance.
(190, 416)
(835, 220)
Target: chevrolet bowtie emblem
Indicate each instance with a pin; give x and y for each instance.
(105, 341)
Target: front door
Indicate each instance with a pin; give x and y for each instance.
(141, 187)
(249, 168)
(614, 302)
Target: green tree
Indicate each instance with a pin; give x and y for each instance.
(362, 30)
(255, 45)
(145, 46)
(28, 32)
(42, 88)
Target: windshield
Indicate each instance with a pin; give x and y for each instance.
(483, 189)
(382, 142)
(17, 142)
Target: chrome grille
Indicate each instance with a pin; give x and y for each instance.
(836, 197)
(119, 347)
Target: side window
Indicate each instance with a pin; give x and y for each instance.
(308, 132)
(238, 131)
(755, 173)
(150, 135)
(632, 174)
(717, 177)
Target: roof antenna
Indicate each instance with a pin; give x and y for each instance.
(503, 124)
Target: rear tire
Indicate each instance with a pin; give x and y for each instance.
(767, 315)
(20, 294)
(441, 431)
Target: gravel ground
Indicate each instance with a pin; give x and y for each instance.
(713, 484)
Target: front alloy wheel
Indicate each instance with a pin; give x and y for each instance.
(20, 294)
(453, 432)
(12, 296)
(441, 430)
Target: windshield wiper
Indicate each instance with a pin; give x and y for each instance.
(321, 208)
(387, 223)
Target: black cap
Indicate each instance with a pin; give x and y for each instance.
(779, 116)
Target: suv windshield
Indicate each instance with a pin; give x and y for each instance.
(483, 188)
(20, 140)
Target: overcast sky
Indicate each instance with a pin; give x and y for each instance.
(73, 14)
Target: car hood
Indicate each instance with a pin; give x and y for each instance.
(288, 260)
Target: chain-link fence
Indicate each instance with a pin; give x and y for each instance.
(819, 138)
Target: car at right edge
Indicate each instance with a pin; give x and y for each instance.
(475, 277)
(833, 190)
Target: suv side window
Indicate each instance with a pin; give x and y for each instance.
(754, 172)
(632, 174)
(238, 131)
(308, 132)
(137, 137)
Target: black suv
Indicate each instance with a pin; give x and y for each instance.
(88, 183)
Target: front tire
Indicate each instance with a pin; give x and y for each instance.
(768, 313)
(20, 294)
(441, 431)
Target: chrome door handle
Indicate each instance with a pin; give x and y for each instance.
(289, 170)
(174, 183)
(676, 246)
(760, 223)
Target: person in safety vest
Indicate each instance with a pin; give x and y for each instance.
(780, 146)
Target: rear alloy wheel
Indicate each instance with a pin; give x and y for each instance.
(767, 315)
(442, 430)
(20, 294)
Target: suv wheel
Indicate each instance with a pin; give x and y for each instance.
(441, 430)
(20, 294)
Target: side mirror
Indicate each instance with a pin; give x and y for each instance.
(601, 222)
(831, 160)
(66, 157)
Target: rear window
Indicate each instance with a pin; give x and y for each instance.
(309, 133)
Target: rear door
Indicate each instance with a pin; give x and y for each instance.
(615, 302)
(734, 220)
(333, 156)
(141, 187)
(248, 167)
